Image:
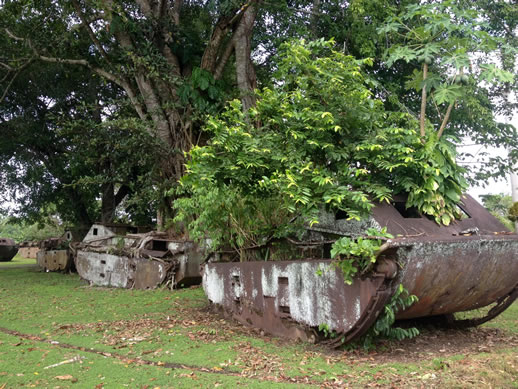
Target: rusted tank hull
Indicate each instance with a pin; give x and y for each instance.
(180, 268)
(292, 298)
(289, 298)
(7, 253)
(457, 274)
(8, 249)
(118, 271)
(471, 263)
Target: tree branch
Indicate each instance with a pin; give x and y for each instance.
(210, 55)
(445, 120)
(94, 39)
(6, 66)
(123, 191)
(245, 72)
(208, 61)
(13, 78)
(176, 11)
(218, 73)
(423, 101)
(12, 36)
(145, 7)
(9, 85)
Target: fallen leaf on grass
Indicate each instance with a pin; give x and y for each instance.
(66, 377)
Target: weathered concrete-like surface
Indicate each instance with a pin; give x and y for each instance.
(29, 251)
(119, 271)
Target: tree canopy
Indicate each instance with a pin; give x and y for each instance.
(100, 99)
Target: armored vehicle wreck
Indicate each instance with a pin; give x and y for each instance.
(8, 249)
(467, 265)
(55, 254)
(126, 257)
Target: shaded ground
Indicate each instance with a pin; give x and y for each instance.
(147, 339)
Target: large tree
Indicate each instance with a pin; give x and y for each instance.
(176, 61)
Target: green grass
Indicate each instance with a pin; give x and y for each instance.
(173, 327)
(17, 260)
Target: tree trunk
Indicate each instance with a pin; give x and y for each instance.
(245, 72)
(514, 190)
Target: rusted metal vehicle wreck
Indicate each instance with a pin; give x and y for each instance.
(55, 254)
(8, 249)
(130, 257)
(470, 264)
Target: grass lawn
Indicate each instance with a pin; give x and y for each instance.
(57, 332)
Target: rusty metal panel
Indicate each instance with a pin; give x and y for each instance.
(411, 224)
(8, 249)
(457, 273)
(54, 260)
(469, 264)
(104, 269)
(189, 257)
(149, 273)
(145, 262)
(29, 251)
(288, 298)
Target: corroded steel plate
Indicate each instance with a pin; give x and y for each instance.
(54, 260)
(287, 297)
(456, 274)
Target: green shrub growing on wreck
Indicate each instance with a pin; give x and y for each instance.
(319, 139)
(357, 256)
(384, 325)
(513, 212)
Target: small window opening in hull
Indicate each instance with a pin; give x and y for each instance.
(407, 213)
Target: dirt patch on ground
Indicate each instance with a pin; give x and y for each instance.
(430, 344)
(433, 343)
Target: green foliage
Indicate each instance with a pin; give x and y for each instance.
(383, 327)
(513, 212)
(20, 232)
(358, 255)
(324, 329)
(454, 39)
(448, 32)
(424, 169)
(319, 139)
(499, 205)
